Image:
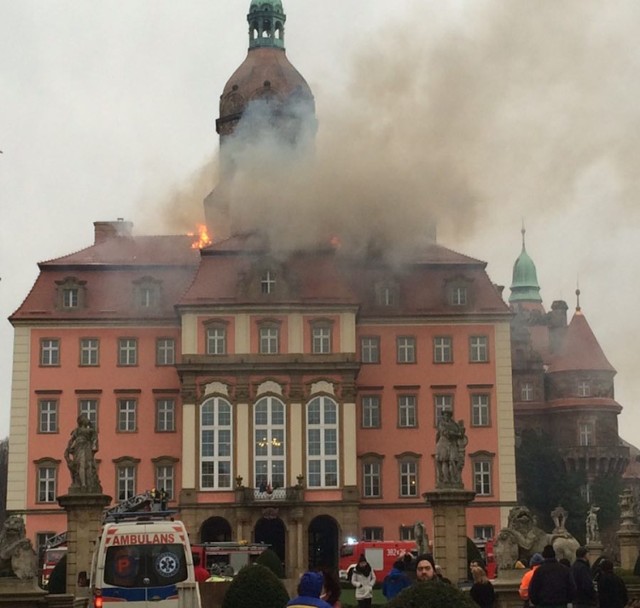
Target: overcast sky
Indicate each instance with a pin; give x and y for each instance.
(486, 113)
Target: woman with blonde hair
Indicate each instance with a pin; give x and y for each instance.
(482, 592)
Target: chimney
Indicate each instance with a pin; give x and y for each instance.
(104, 231)
(557, 324)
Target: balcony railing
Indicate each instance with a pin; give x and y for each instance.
(293, 494)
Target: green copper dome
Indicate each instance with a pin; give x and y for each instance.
(266, 24)
(524, 285)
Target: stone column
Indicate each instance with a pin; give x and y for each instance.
(595, 549)
(84, 522)
(629, 532)
(449, 507)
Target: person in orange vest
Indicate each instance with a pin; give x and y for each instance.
(534, 562)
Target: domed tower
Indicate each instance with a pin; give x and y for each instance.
(266, 100)
(525, 290)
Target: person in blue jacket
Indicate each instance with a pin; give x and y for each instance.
(395, 581)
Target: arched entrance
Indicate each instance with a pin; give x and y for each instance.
(323, 543)
(215, 530)
(272, 532)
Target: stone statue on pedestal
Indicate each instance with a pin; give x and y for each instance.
(451, 445)
(17, 557)
(593, 529)
(80, 456)
(422, 538)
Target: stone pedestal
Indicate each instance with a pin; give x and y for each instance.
(15, 593)
(595, 550)
(629, 543)
(84, 522)
(450, 530)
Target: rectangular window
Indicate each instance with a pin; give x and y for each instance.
(165, 415)
(371, 411)
(372, 534)
(587, 433)
(370, 348)
(164, 479)
(526, 391)
(478, 349)
(482, 477)
(408, 479)
(480, 410)
(127, 415)
(459, 296)
(442, 349)
(321, 340)
(165, 351)
(89, 408)
(216, 341)
(127, 351)
(442, 403)
(406, 349)
(48, 416)
(50, 351)
(483, 532)
(407, 407)
(70, 297)
(407, 533)
(584, 389)
(89, 351)
(269, 340)
(126, 482)
(371, 479)
(322, 443)
(46, 484)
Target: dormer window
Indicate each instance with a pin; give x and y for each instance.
(459, 296)
(147, 293)
(387, 294)
(458, 291)
(70, 294)
(584, 389)
(268, 283)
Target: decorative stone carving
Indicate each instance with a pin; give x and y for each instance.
(17, 557)
(628, 517)
(559, 516)
(451, 445)
(422, 538)
(322, 387)
(216, 387)
(593, 529)
(80, 456)
(269, 386)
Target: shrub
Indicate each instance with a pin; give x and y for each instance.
(270, 559)
(255, 586)
(431, 595)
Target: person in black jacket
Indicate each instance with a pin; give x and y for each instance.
(612, 591)
(552, 584)
(586, 596)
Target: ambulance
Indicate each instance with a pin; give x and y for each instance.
(139, 562)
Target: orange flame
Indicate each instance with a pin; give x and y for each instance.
(202, 237)
(335, 242)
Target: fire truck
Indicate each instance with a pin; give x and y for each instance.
(226, 558)
(381, 555)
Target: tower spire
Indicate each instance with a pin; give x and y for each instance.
(266, 20)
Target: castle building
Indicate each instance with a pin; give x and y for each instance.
(563, 384)
(284, 397)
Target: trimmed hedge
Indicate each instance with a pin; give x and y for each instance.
(270, 559)
(432, 595)
(255, 586)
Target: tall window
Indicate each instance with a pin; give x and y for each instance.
(165, 415)
(268, 282)
(48, 416)
(442, 403)
(165, 351)
(370, 349)
(70, 297)
(127, 351)
(165, 479)
(408, 478)
(407, 407)
(371, 411)
(586, 431)
(89, 351)
(146, 297)
(480, 410)
(269, 340)
(89, 408)
(478, 349)
(459, 296)
(322, 443)
(442, 349)
(50, 351)
(526, 391)
(321, 339)
(216, 444)
(371, 486)
(482, 477)
(217, 340)
(584, 389)
(127, 415)
(47, 483)
(270, 443)
(126, 481)
(406, 349)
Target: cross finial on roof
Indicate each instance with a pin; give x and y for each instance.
(523, 231)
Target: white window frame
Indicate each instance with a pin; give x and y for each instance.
(70, 297)
(584, 388)
(89, 352)
(586, 433)
(406, 349)
(47, 483)
(443, 349)
(480, 409)
(478, 349)
(127, 415)
(89, 408)
(165, 479)
(47, 416)
(484, 532)
(407, 411)
(482, 477)
(408, 479)
(442, 402)
(371, 411)
(126, 481)
(321, 339)
(127, 352)
(370, 349)
(372, 479)
(270, 443)
(267, 283)
(165, 415)
(458, 296)
(216, 461)
(269, 340)
(323, 437)
(165, 351)
(216, 340)
(49, 352)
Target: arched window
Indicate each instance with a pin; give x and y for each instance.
(216, 444)
(322, 443)
(269, 424)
